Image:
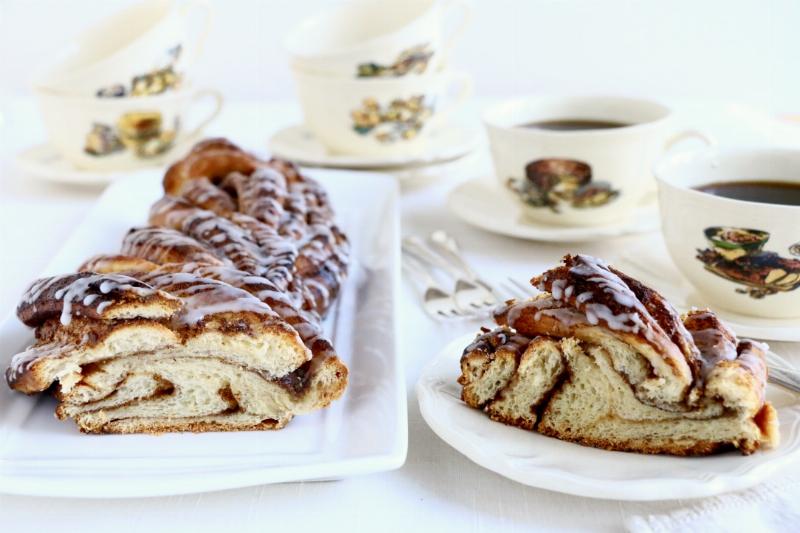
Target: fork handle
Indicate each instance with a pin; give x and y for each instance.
(413, 266)
(414, 247)
(447, 247)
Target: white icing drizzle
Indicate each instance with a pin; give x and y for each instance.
(203, 297)
(596, 271)
(568, 317)
(21, 362)
(88, 290)
(519, 308)
(320, 290)
(157, 244)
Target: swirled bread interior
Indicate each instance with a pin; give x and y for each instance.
(601, 360)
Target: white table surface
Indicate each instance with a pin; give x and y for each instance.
(437, 488)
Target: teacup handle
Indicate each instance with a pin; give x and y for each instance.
(463, 90)
(206, 9)
(196, 97)
(685, 135)
(455, 6)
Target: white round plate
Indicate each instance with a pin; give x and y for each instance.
(42, 161)
(548, 463)
(482, 203)
(298, 144)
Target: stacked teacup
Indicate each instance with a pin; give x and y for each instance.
(373, 76)
(120, 99)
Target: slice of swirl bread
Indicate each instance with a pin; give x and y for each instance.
(604, 361)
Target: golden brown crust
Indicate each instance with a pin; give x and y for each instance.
(681, 449)
(158, 427)
(212, 159)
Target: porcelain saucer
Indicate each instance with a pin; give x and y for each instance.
(43, 162)
(298, 144)
(482, 203)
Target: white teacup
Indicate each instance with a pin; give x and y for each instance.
(148, 39)
(740, 255)
(123, 133)
(377, 38)
(582, 177)
(381, 116)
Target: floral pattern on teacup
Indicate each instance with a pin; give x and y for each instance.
(737, 254)
(414, 60)
(400, 120)
(140, 132)
(553, 182)
(157, 81)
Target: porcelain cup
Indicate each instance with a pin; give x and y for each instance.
(378, 38)
(124, 133)
(582, 177)
(142, 50)
(381, 116)
(739, 255)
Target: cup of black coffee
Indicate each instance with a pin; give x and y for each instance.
(578, 161)
(731, 220)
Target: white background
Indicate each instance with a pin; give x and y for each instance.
(748, 50)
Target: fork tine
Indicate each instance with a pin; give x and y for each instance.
(793, 386)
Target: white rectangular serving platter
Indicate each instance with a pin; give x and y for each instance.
(365, 431)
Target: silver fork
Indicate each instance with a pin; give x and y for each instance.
(783, 373)
(483, 294)
(472, 296)
(780, 372)
(437, 302)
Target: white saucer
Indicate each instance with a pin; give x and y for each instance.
(298, 144)
(482, 203)
(43, 161)
(548, 463)
(654, 267)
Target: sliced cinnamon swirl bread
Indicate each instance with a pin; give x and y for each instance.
(209, 319)
(602, 360)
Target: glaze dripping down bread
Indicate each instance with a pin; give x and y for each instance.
(209, 319)
(602, 360)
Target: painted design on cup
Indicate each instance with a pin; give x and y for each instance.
(413, 60)
(157, 81)
(140, 132)
(737, 255)
(400, 120)
(552, 183)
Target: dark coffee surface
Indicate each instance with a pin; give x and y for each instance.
(765, 192)
(573, 124)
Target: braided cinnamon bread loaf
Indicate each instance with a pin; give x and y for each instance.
(209, 319)
(602, 360)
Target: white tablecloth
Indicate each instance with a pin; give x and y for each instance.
(437, 488)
